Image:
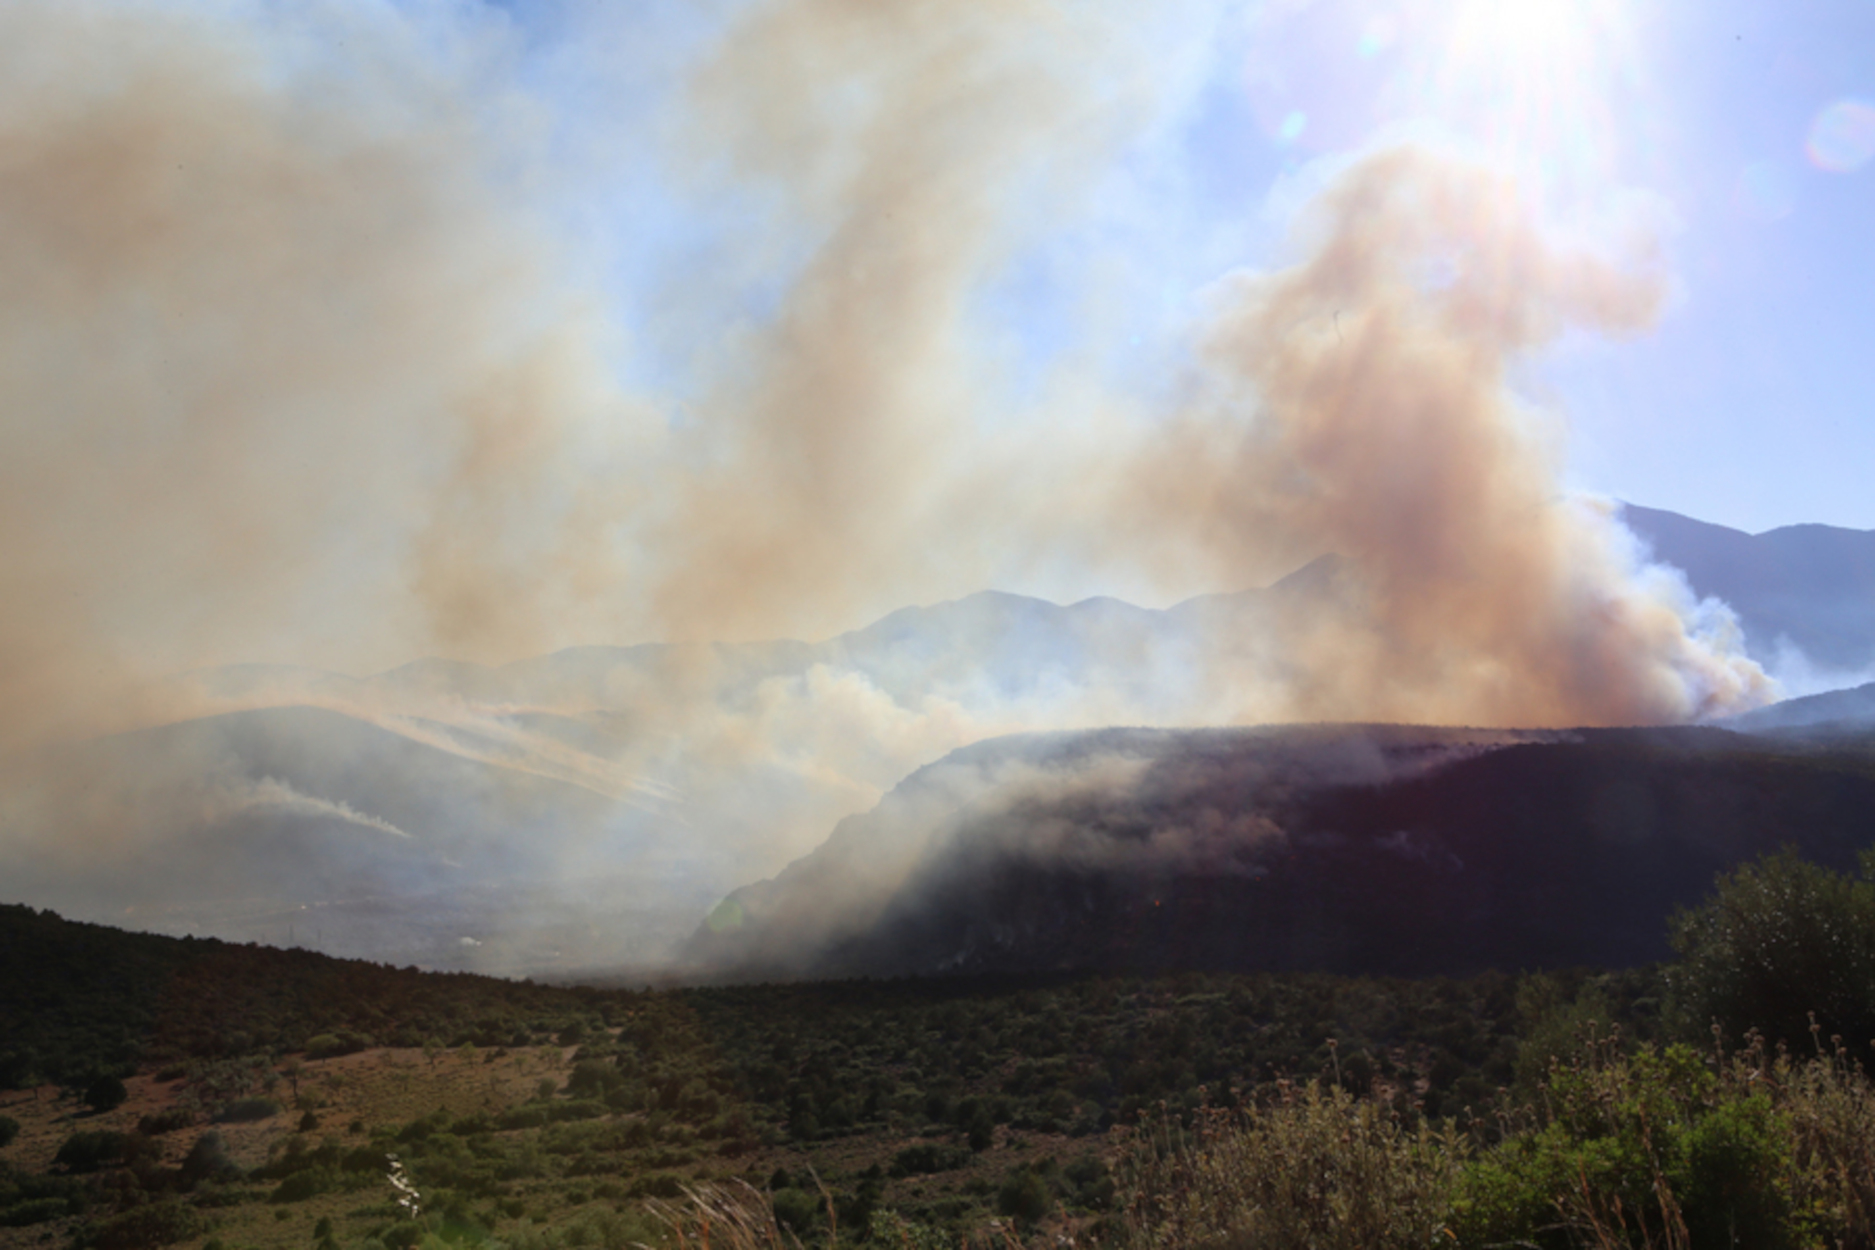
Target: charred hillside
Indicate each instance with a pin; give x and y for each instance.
(1365, 850)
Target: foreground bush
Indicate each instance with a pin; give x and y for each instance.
(730, 1217)
(1650, 1149)
(1318, 1169)
(1662, 1147)
(1781, 943)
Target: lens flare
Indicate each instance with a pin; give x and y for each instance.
(1765, 191)
(1543, 84)
(1842, 138)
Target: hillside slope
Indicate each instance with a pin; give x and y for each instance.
(1355, 849)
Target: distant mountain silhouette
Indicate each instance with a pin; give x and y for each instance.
(1832, 710)
(1812, 584)
(561, 810)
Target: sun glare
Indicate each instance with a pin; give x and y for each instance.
(1538, 80)
(1521, 33)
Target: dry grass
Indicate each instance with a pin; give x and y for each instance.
(1829, 1104)
(735, 1216)
(1317, 1169)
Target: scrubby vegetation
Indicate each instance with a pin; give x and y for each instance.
(1555, 1109)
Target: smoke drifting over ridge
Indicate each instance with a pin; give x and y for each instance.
(292, 368)
(1361, 406)
(302, 362)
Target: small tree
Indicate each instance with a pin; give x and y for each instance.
(1779, 940)
(105, 1093)
(208, 1161)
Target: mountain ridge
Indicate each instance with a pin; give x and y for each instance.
(1241, 851)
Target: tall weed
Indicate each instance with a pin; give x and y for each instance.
(1315, 1169)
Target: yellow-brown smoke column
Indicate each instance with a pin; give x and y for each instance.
(1362, 407)
(284, 373)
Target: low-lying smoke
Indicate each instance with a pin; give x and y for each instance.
(300, 364)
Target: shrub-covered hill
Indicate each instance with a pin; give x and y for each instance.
(80, 999)
(1360, 849)
(1289, 1110)
(950, 1102)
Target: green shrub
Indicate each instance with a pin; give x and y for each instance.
(1654, 1146)
(244, 1110)
(165, 1121)
(657, 1185)
(89, 1151)
(34, 1211)
(208, 1161)
(593, 1078)
(403, 1235)
(1024, 1196)
(308, 1183)
(1778, 940)
(106, 1093)
(535, 1115)
(330, 1045)
(155, 1224)
(798, 1211)
(889, 1228)
(927, 1158)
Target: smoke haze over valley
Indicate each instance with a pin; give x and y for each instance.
(442, 445)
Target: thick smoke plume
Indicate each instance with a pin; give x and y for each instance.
(291, 373)
(1362, 407)
(306, 359)
(286, 374)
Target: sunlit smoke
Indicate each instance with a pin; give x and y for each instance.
(1362, 407)
(289, 371)
(300, 366)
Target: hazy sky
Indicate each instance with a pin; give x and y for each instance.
(1752, 404)
(1746, 128)
(346, 332)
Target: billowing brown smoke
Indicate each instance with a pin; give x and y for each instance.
(1360, 406)
(273, 347)
(1357, 403)
(298, 363)
(290, 373)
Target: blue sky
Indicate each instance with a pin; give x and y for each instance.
(1754, 403)
(1749, 404)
